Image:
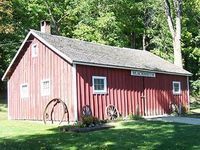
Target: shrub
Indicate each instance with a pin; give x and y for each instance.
(195, 88)
(135, 117)
(77, 124)
(119, 118)
(90, 121)
(179, 110)
(103, 121)
(184, 109)
(96, 120)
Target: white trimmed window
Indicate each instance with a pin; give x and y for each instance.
(34, 50)
(24, 90)
(45, 87)
(99, 85)
(176, 87)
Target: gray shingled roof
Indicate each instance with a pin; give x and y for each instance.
(97, 54)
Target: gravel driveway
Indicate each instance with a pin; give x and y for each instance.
(186, 120)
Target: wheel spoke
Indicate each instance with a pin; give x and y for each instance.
(86, 111)
(111, 112)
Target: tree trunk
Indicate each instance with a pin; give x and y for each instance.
(175, 30)
(144, 41)
(177, 44)
(133, 38)
(55, 24)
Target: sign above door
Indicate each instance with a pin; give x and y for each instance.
(143, 73)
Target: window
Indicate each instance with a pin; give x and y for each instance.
(45, 87)
(34, 50)
(24, 90)
(176, 87)
(99, 85)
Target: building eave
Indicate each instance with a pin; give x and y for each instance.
(128, 68)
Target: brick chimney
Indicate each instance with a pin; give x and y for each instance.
(45, 27)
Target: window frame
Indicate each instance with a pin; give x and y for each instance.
(22, 94)
(179, 85)
(35, 53)
(105, 85)
(43, 93)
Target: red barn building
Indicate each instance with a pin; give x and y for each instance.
(82, 73)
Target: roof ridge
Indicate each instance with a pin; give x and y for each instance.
(89, 42)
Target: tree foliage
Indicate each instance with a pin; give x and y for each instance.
(139, 24)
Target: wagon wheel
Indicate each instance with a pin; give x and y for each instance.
(86, 111)
(56, 101)
(111, 112)
(175, 108)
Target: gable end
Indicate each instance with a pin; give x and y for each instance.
(9, 69)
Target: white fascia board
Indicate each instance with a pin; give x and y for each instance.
(127, 68)
(43, 41)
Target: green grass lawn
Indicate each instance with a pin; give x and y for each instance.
(126, 135)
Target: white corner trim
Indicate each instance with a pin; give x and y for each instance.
(8, 99)
(74, 92)
(188, 92)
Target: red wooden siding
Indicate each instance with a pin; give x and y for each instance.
(47, 65)
(125, 91)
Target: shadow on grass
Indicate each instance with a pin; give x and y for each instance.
(3, 107)
(130, 135)
(3, 97)
(192, 115)
(3, 103)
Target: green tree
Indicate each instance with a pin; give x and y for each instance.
(139, 24)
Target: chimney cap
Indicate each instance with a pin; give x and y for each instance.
(45, 26)
(45, 21)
